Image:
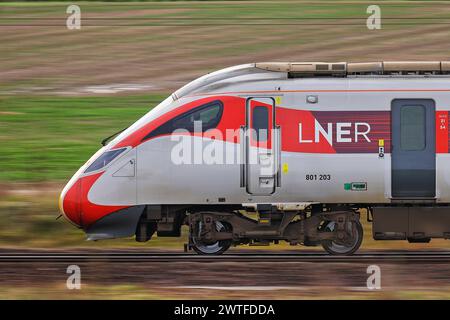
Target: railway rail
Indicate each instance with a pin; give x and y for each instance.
(129, 257)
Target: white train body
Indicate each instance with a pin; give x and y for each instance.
(372, 138)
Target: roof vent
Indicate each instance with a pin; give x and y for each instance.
(338, 66)
(298, 70)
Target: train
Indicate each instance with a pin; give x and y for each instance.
(260, 153)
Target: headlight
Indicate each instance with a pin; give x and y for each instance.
(104, 159)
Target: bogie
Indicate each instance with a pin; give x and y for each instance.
(215, 232)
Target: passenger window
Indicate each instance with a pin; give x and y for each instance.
(412, 128)
(260, 123)
(209, 115)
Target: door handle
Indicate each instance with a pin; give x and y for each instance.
(243, 157)
(278, 156)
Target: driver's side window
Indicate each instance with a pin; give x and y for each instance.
(209, 115)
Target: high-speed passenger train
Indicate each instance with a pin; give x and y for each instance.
(263, 152)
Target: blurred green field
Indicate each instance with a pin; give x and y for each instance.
(44, 140)
(49, 137)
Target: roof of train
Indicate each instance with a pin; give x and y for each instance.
(272, 71)
(352, 68)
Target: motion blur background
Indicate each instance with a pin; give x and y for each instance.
(62, 91)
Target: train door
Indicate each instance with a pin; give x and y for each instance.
(261, 146)
(413, 148)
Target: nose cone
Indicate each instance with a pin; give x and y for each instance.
(70, 202)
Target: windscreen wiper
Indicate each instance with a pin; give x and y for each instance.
(104, 141)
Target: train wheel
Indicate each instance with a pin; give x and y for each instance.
(337, 248)
(215, 248)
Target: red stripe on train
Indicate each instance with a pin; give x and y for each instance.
(442, 132)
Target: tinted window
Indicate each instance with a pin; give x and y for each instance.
(260, 123)
(104, 159)
(209, 115)
(412, 128)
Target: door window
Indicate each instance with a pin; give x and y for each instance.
(260, 123)
(412, 128)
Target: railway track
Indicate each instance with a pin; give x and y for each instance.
(128, 257)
